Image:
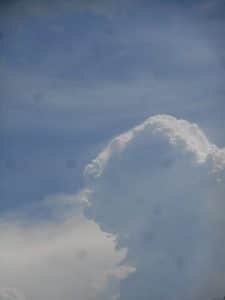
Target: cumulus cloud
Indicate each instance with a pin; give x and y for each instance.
(148, 224)
(179, 133)
(67, 259)
(160, 187)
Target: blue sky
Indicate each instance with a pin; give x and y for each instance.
(75, 74)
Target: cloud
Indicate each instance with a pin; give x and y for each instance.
(179, 133)
(160, 188)
(148, 224)
(70, 258)
(10, 294)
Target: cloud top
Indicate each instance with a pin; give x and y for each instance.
(178, 133)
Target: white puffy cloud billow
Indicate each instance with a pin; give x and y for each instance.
(149, 224)
(68, 258)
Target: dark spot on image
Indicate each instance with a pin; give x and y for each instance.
(82, 254)
(38, 100)
(10, 164)
(167, 163)
(157, 210)
(140, 200)
(180, 263)
(195, 219)
(109, 31)
(148, 237)
(70, 164)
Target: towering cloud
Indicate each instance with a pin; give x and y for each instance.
(160, 187)
(149, 224)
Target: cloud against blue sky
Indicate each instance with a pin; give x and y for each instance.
(146, 220)
(70, 258)
(160, 186)
(158, 192)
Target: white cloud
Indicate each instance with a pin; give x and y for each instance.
(160, 187)
(70, 259)
(10, 294)
(154, 191)
(179, 133)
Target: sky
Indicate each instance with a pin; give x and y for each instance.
(112, 158)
